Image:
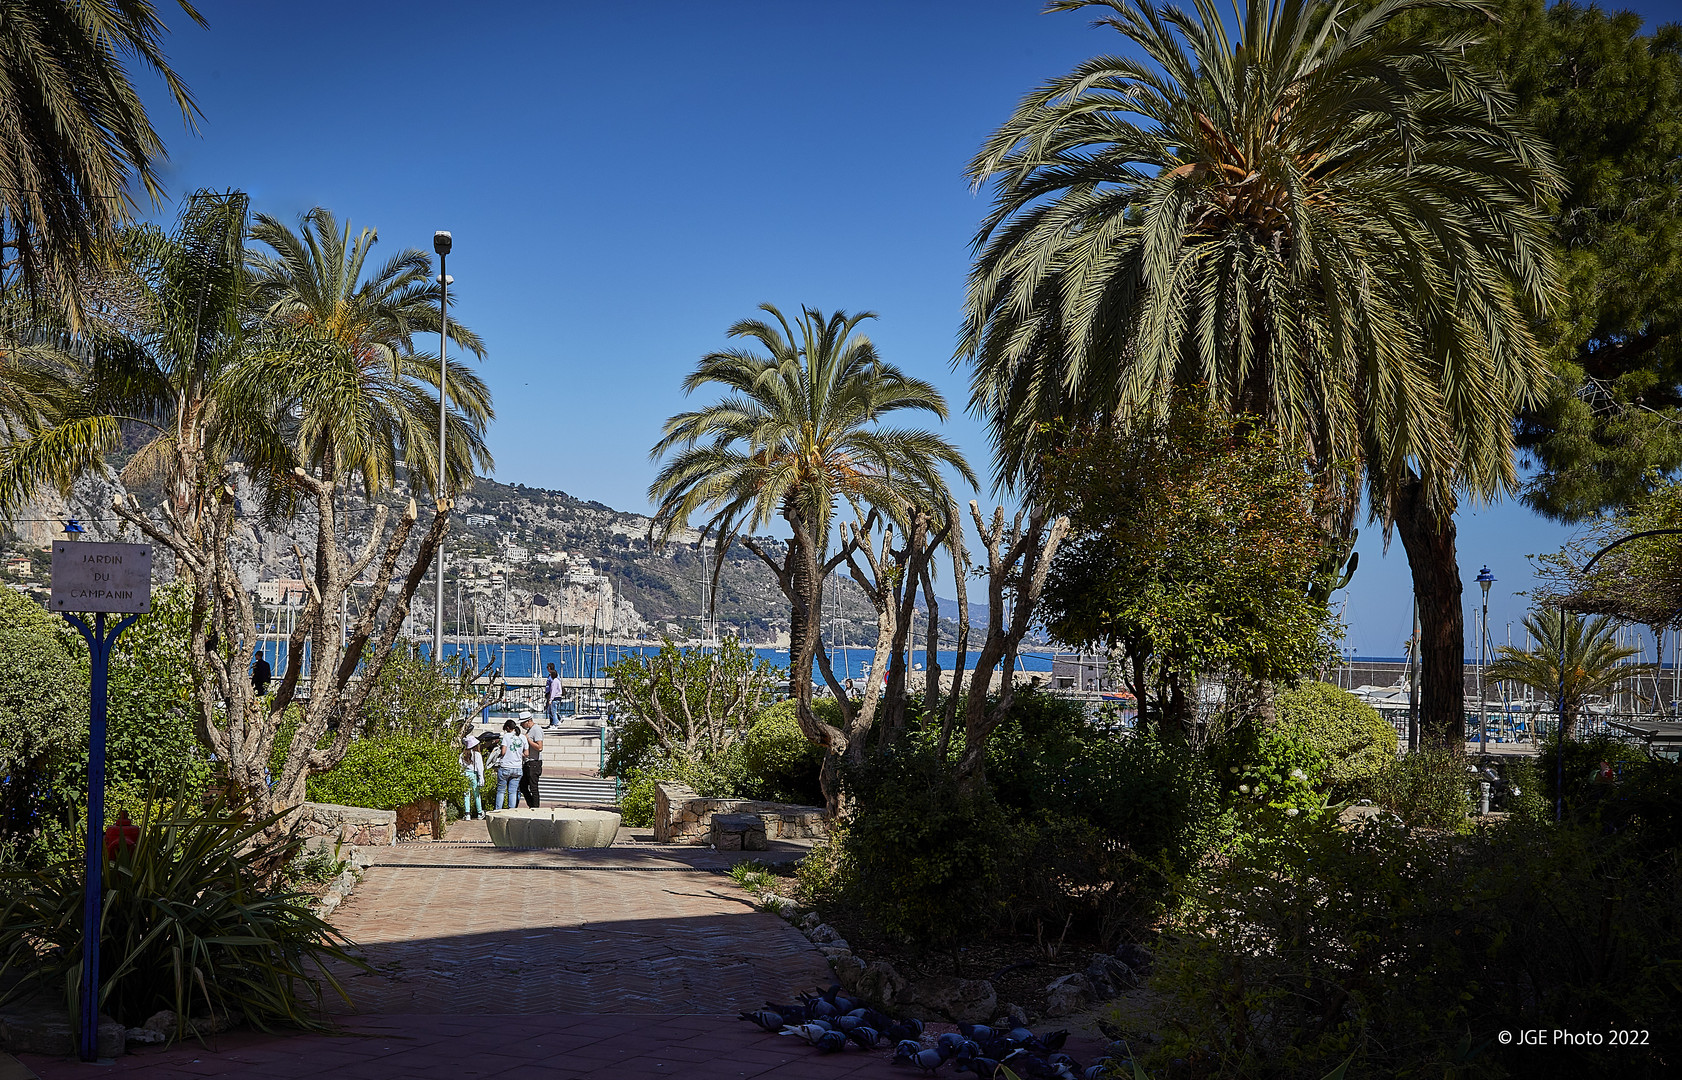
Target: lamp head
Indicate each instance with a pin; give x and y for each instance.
(73, 526)
(1485, 579)
(441, 242)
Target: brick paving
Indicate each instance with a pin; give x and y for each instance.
(625, 962)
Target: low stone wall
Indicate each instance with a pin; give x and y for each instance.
(683, 817)
(348, 826)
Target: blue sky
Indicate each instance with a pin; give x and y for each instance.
(624, 181)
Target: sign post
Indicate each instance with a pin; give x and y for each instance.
(100, 579)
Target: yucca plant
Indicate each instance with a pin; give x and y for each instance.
(189, 925)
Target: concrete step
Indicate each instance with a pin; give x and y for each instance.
(590, 789)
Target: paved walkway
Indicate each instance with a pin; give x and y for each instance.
(627, 962)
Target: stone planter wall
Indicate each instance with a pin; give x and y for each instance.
(421, 819)
(348, 826)
(683, 817)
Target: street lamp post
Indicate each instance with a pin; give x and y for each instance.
(1485, 579)
(441, 244)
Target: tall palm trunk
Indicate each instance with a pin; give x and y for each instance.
(1428, 533)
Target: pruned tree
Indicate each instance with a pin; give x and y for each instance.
(697, 702)
(241, 727)
(1018, 560)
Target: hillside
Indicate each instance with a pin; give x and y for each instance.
(517, 555)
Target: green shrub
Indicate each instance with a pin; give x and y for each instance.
(1408, 949)
(1431, 788)
(188, 925)
(152, 739)
(414, 696)
(778, 761)
(636, 798)
(927, 858)
(391, 771)
(43, 726)
(1348, 735)
(824, 874)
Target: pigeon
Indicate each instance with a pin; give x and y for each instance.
(979, 1032)
(1021, 1036)
(908, 1029)
(1054, 1042)
(818, 1007)
(865, 1037)
(1062, 1059)
(980, 1066)
(830, 1042)
(927, 1060)
(846, 1022)
(949, 1044)
(1098, 1069)
(765, 1018)
(810, 1032)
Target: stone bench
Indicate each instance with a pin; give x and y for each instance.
(739, 832)
(552, 827)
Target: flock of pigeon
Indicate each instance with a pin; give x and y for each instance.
(830, 1021)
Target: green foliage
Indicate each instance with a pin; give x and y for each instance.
(1644, 793)
(688, 704)
(926, 857)
(413, 696)
(1191, 538)
(824, 874)
(1251, 219)
(1353, 742)
(1298, 948)
(1156, 803)
(778, 761)
(1634, 582)
(1275, 767)
(389, 771)
(152, 739)
(799, 432)
(187, 926)
(43, 718)
(753, 877)
(1608, 98)
(1429, 789)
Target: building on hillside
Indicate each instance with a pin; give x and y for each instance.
(281, 591)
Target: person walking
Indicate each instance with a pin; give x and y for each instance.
(510, 762)
(532, 768)
(261, 673)
(473, 766)
(552, 698)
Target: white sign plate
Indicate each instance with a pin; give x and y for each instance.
(102, 577)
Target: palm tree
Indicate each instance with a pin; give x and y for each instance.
(74, 134)
(161, 354)
(1329, 223)
(799, 432)
(1593, 660)
(350, 360)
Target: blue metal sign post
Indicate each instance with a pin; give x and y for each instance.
(100, 579)
(99, 645)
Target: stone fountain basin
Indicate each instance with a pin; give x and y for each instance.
(552, 827)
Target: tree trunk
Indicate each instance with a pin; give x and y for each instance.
(1427, 531)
